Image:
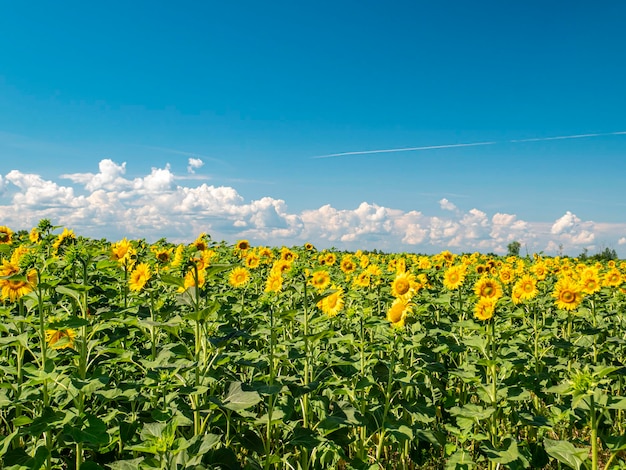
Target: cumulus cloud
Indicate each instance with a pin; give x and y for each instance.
(193, 164)
(446, 205)
(107, 204)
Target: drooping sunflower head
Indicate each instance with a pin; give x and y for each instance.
(34, 235)
(488, 287)
(398, 311)
(6, 235)
(191, 280)
(121, 251)
(139, 277)
(485, 308)
(333, 303)
(239, 277)
(454, 276)
(363, 279)
(274, 282)
(66, 238)
(13, 289)
(60, 339)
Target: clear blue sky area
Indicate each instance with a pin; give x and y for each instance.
(254, 91)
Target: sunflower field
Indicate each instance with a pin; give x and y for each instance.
(135, 355)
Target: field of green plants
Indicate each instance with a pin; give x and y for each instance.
(135, 355)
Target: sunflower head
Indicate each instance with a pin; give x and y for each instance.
(60, 339)
(567, 294)
(6, 235)
(139, 277)
(320, 279)
(274, 282)
(333, 303)
(239, 277)
(454, 276)
(488, 287)
(485, 308)
(398, 311)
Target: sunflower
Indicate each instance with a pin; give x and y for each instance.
(484, 308)
(567, 294)
(612, 278)
(281, 266)
(330, 259)
(506, 274)
(488, 287)
(162, 255)
(287, 255)
(239, 277)
(274, 282)
(266, 254)
(139, 277)
(6, 235)
(403, 285)
(363, 279)
(191, 281)
(34, 235)
(453, 277)
(178, 256)
(67, 237)
(121, 251)
(200, 243)
(60, 339)
(320, 279)
(347, 264)
(13, 289)
(398, 311)
(590, 281)
(332, 304)
(242, 245)
(309, 247)
(525, 288)
(252, 261)
(540, 270)
(17, 254)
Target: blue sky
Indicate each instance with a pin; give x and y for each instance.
(155, 119)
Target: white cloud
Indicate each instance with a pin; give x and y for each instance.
(193, 164)
(447, 205)
(155, 206)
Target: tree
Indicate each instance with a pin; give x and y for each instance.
(513, 248)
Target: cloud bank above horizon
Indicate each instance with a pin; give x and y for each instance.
(109, 205)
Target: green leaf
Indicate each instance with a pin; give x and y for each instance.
(239, 399)
(507, 453)
(5, 442)
(566, 453)
(91, 431)
(460, 460)
(133, 464)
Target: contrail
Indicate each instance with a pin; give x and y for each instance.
(471, 144)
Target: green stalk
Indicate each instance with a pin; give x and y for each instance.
(383, 423)
(305, 396)
(44, 359)
(270, 401)
(594, 433)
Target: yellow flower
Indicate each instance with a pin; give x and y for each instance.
(139, 277)
(178, 256)
(121, 251)
(34, 235)
(590, 280)
(453, 277)
(403, 285)
(567, 294)
(525, 288)
(398, 311)
(506, 274)
(17, 254)
(191, 281)
(332, 304)
(242, 245)
(488, 287)
(67, 237)
(484, 308)
(274, 282)
(612, 278)
(252, 260)
(239, 277)
(347, 264)
(162, 255)
(200, 242)
(281, 266)
(6, 235)
(320, 279)
(60, 339)
(309, 247)
(14, 289)
(363, 279)
(287, 255)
